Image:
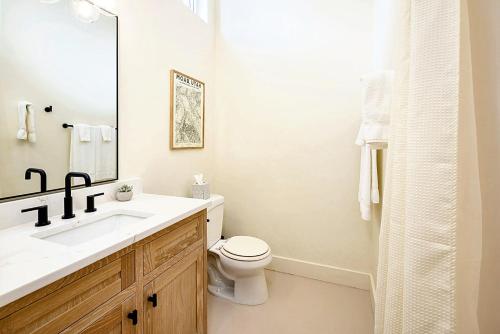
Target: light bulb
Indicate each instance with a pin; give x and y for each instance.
(85, 11)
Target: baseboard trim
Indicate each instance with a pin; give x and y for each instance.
(322, 272)
(326, 273)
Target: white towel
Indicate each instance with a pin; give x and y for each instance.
(368, 181)
(31, 123)
(106, 155)
(106, 132)
(364, 193)
(375, 196)
(22, 112)
(373, 135)
(84, 132)
(377, 95)
(83, 153)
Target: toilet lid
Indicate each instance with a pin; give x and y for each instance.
(245, 246)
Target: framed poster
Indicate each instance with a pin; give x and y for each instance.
(187, 111)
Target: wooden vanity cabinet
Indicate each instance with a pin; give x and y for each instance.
(175, 299)
(114, 318)
(158, 285)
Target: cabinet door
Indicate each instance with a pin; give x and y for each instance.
(175, 301)
(107, 320)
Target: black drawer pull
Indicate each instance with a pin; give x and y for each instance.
(133, 316)
(153, 299)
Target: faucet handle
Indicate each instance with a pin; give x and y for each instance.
(91, 202)
(43, 215)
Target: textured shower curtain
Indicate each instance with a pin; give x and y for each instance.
(430, 241)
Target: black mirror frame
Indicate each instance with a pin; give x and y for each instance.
(58, 190)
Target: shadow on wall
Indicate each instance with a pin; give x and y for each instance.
(485, 39)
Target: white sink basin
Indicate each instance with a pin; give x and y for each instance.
(95, 227)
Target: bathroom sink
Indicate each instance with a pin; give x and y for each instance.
(85, 230)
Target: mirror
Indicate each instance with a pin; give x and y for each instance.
(58, 65)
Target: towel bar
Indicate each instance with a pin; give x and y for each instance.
(66, 125)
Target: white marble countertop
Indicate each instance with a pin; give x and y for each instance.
(28, 264)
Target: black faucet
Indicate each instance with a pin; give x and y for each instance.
(68, 200)
(43, 177)
(43, 215)
(91, 202)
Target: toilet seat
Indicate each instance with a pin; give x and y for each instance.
(246, 249)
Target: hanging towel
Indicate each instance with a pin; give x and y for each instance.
(373, 135)
(375, 196)
(31, 123)
(106, 132)
(82, 153)
(364, 193)
(377, 95)
(368, 181)
(84, 132)
(106, 155)
(22, 113)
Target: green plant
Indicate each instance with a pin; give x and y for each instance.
(125, 188)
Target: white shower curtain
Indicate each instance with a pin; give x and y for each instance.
(430, 242)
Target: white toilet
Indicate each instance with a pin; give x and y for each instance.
(236, 265)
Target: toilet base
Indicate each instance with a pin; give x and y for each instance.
(246, 290)
(226, 292)
(251, 290)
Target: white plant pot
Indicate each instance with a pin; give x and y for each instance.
(124, 196)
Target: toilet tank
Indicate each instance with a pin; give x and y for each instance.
(214, 219)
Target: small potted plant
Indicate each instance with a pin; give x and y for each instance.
(124, 193)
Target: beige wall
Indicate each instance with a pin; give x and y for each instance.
(288, 105)
(485, 40)
(155, 37)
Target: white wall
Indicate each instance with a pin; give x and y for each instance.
(485, 40)
(288, 105)
(155, 37)
(49, 57)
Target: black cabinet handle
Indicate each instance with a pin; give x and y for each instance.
(153, 299)
(208, 220)
(133, 316)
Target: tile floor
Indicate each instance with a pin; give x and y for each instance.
(296, 305)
